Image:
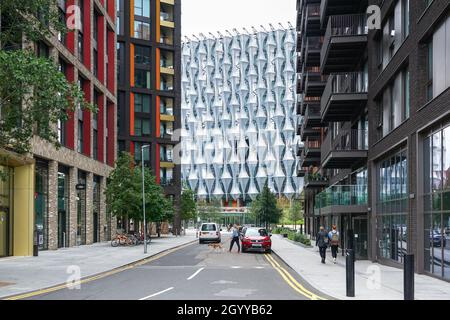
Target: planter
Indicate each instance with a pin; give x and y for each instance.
(285, 235)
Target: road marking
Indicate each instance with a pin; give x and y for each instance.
(236, 267)
(290, 280)
(156, 294)
(101, 275)
(259, 267)
(196, 273)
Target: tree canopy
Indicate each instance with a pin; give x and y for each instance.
(124, 193)
(34, 94)
(188, 206)
(264, 209)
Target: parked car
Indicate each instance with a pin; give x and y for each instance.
(209, 232)
(256, 239)
(436, 239)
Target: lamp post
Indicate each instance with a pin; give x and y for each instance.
(143, 196)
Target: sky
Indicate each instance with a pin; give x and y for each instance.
(203, 16)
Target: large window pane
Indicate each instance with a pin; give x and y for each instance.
(446, 158)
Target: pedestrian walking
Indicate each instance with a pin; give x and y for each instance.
(333, 235)
(235, 238)
(322, 243)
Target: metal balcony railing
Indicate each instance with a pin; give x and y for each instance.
(344, 26)
(314, 177)
(341, 195)
(344, 83)
(164, 16)
(312, 111)
(314, 43)
(347, 140)
(313, 10)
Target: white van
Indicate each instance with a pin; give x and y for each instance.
(209, 232)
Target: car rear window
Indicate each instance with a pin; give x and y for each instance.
(256, 233)
(209, 227)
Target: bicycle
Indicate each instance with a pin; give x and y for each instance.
(122, 240)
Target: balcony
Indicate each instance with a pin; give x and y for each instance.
(341, 199)
(344, 94)
(310, 154)
(306, 132)
(337, 7)
(313, 47)
(344, 43)
(312, 19)
(347, 151)
(312, 117)
(314, 181)
(314, 82)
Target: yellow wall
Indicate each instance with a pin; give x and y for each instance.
(23, 210)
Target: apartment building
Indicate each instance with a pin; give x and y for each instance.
(149, 87)
(54, 198)
(381, 164)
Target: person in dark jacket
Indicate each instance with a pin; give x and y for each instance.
(322, 242)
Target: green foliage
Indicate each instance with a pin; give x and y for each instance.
(124, 193)
(34, 95)
(298, 237)
(296, 211)
(264, 209)
(188, 207)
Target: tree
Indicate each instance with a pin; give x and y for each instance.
(295, 212)
(124, 193)
(34, 95)
(188, 207)
(121, 196)
(209, 211)
(265, 209)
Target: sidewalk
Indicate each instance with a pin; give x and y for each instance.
(330, 278)
(24, 274)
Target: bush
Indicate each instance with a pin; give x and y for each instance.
(298, 237)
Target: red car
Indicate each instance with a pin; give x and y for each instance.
(256, 239)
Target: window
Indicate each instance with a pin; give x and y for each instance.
(395, 103)
(166, 153)
(141, 127)
(395, 31)
(166, 176)
(142, 55)
(62, 19)
(441, 58)
(436, 162)
(142, 79)
(166, 128)
(119, 17)
(137, 152)
(392, 206)
(166, 106)
(120, 64)
(142, 30)
(80, 121)
(43, 51)
(142, 103)
(142, 8)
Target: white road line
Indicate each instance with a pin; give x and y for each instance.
(196, 273)
(155, 294)
(236, 267)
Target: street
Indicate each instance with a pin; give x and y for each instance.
(195, 272)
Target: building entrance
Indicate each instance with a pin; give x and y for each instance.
(4, 235)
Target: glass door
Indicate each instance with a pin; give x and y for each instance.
(361, 237)
(4, 226)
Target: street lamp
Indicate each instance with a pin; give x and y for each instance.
(143, 196)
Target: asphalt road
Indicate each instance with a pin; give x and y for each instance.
(196, 272)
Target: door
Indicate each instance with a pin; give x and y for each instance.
(62, 224)
(95, 227)
(361, 237)
(4, 227)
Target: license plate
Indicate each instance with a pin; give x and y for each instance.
(204, 233)
(256, 245)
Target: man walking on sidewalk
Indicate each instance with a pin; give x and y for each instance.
(322, 243)
(235, 238)
(334, 242)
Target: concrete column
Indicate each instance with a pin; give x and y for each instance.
(52, 205)
(89, 208)
(73, 206)
(103, 213)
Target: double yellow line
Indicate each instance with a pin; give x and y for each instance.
(99, 276)
(290, 280)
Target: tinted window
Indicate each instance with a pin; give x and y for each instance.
(209, 227)
(256, 233)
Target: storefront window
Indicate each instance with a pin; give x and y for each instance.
(63, 207)
(41, 204)
(81, 214)
(437, 203)
(392, 207)
(96, 209)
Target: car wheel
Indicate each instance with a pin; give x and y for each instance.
(200, 241)
(244, 250)
(269, 251)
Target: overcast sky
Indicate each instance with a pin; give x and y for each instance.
(203, 16)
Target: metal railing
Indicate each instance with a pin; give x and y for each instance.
(164, 16)
(314, 177)
(312, 111)
(341, 195)
(343, 26)
(344, 83)
(313, 10)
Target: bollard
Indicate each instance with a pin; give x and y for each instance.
(408, 277)
(350, 272)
